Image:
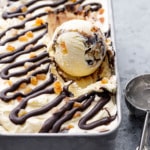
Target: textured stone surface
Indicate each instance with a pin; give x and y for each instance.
(133, 50)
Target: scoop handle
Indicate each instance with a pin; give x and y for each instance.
(143, 137)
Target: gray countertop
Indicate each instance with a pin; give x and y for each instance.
(133, 50)
(131, 18)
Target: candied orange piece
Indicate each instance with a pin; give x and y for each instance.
(41, 76)
(33, 80)
(104, 80)
(23, 38)
(76, 104)
(32, 55)
(64, 51)
(24, 9)
(10, 48)
(39, 22)
(64, 48)
(101, 11)
(21, 17)
(57, 87)
(77, 114)
(70, 126)
(29, 34)
(23, 85)
(73, 1)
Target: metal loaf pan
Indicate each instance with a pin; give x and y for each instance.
(102, 141)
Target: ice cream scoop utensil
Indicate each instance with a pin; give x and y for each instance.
(137, 95)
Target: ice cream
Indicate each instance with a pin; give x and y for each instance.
(78, 47)
(36, 96)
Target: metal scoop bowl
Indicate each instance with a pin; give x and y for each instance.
(137, 96)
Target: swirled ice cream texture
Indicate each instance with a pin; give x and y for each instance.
(32, 98)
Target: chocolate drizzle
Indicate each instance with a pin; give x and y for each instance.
(22, 25)
(17, 36)
(67, 111)
(19, 12)
(37, 62)
(14, 87)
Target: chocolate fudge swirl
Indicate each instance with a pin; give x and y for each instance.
(37, 61)
(18, 12)
(55, 4)
(44, 26)
(14, 87)
(53, 124)
(13, 55)
(67, 111)
(20, 120)
(18, 51)
(22, 25)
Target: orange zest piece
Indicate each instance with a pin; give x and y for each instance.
(23, 38)
(24, 9)
(77, 114)
(41, 76)
(23, 85)
(10, 48)
(101, 11)
(73, 1)
(57, 87)
(76, 104)
(70, 126)
(104, 81)
(32, 55)
(29, 34)
(39, 22)
(33, 81)
(64, 48)
(21, 17)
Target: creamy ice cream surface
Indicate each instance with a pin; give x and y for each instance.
(67, 87)
(79, 47)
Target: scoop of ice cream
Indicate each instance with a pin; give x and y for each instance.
(78, 47)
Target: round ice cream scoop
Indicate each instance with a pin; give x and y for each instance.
(78, 47)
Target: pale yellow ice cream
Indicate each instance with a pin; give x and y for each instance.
(35, 95)
(78, 47)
